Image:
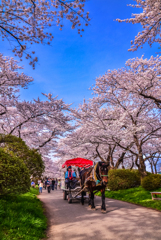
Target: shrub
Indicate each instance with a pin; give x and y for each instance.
(14, 175)
(15, 146)
(151, 182)
(123, 179)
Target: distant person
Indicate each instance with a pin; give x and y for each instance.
(45, 183)
(39, 181)
(53, 183)
(56, 183)
(40, 186)
(48, 185)
(59, 183)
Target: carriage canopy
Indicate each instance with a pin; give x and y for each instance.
(78, 162)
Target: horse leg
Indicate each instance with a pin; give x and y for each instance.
(103, 207)
(89, 201)
(82, 198)
(92, 201)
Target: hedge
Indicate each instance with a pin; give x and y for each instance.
(123, 179)
(151, 182)
(14, 175)
(15, 146)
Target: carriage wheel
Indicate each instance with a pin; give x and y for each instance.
(64, 195)
(69, 198)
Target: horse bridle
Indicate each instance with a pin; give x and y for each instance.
(97, 175)
(100, 175)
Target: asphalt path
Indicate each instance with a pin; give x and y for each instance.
(123, 221)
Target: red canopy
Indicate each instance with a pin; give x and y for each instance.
(78, 162)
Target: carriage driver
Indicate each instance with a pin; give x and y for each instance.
(70, 176)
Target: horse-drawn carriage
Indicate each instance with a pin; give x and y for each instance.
(89, 178)
(72, 191)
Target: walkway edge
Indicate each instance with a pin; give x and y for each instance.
(136, 204)
(46, 213)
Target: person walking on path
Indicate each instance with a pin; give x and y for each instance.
(48, 185)
(45, 183)
(39, 181)
(56, 183)
(53, 183)
(40, 186)
(59, 183)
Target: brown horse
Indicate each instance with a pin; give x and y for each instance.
(95, 179)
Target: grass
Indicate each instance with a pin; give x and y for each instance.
(135, 195)
(22, 217)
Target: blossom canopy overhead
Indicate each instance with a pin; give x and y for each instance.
(78, 162)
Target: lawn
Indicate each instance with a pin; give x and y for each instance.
(135, 195)
(22, 217)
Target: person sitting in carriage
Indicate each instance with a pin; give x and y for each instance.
(70, 178)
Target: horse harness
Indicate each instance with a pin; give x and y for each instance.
(94, 177)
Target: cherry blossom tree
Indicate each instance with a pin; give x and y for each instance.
(11, 79)
(73, 146)
(52, 168)
(153, 161)
(92, 137)
(38, 123)
(149, 18)
(28, 21)
(152, 149)
(119, 125)
(96, 132)
(139, 121)
(141, 77)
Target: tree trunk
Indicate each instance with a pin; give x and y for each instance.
(120, 160)
(151, 165)
(155, 168)
(132, 165)
(142, 167)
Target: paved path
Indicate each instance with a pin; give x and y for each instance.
(123, 221)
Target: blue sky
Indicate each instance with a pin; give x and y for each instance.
(71, 64)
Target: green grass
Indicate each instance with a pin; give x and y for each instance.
(22, 217)
(135, 195)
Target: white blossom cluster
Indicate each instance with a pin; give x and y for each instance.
(150, 21)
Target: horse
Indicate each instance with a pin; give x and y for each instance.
(94, 179)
